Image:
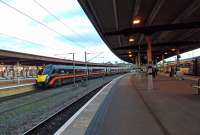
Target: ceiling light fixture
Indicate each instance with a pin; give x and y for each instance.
(173, 49)
(131, 40)
(136, 21)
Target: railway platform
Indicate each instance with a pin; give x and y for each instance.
(11, 87)
(132, 104)
(9, 83)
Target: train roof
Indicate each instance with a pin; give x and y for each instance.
(76, 67)
(71, 67)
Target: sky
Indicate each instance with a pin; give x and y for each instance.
(52, 28)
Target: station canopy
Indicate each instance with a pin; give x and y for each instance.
(124, 25)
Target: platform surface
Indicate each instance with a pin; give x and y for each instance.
(13, 83)
(138, 106)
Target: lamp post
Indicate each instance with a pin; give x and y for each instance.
(86, 66)
(104, 69)
(74, 70)
(86, 62)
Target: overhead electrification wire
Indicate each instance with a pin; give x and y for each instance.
(96, 56)
(30, 17)
(21, 39)
(58, 19)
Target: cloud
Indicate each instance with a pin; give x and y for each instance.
(76, 35)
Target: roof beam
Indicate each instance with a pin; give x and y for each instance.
(152, 16)
(116, 14)
(186, 13)
(136, 7)
(187, 34)
(162, 45)
(156, 9)
(115, 11)
(155, 53)
(153, 29)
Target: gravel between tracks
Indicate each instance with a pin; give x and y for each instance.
(19, 115)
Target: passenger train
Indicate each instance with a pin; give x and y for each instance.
(57, 75)
(189, 66)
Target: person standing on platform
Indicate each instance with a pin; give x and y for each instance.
(149, 70)
(154, 72)
(171, 74)
(149, 77)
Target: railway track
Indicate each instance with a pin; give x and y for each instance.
(21, 114)
(11, 97)
(34, 91)
(55, 121)
(28, 104)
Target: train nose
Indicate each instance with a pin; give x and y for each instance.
(41, 78)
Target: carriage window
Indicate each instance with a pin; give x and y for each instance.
(47, 70)
(54, 71)
(61, 72)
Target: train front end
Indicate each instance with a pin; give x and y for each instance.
(43, 76)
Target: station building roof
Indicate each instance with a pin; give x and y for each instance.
(11, 58)
(171, 24)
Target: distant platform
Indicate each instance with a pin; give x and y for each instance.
(8, 83)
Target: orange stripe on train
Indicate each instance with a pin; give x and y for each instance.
(71, 76)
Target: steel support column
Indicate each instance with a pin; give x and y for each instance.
(178, 57)
(136, 60)
(18, 73)
(139, 60)
(149, 49)
(163, 57)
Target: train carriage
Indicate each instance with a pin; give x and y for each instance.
(57, 75)
(189, 66)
